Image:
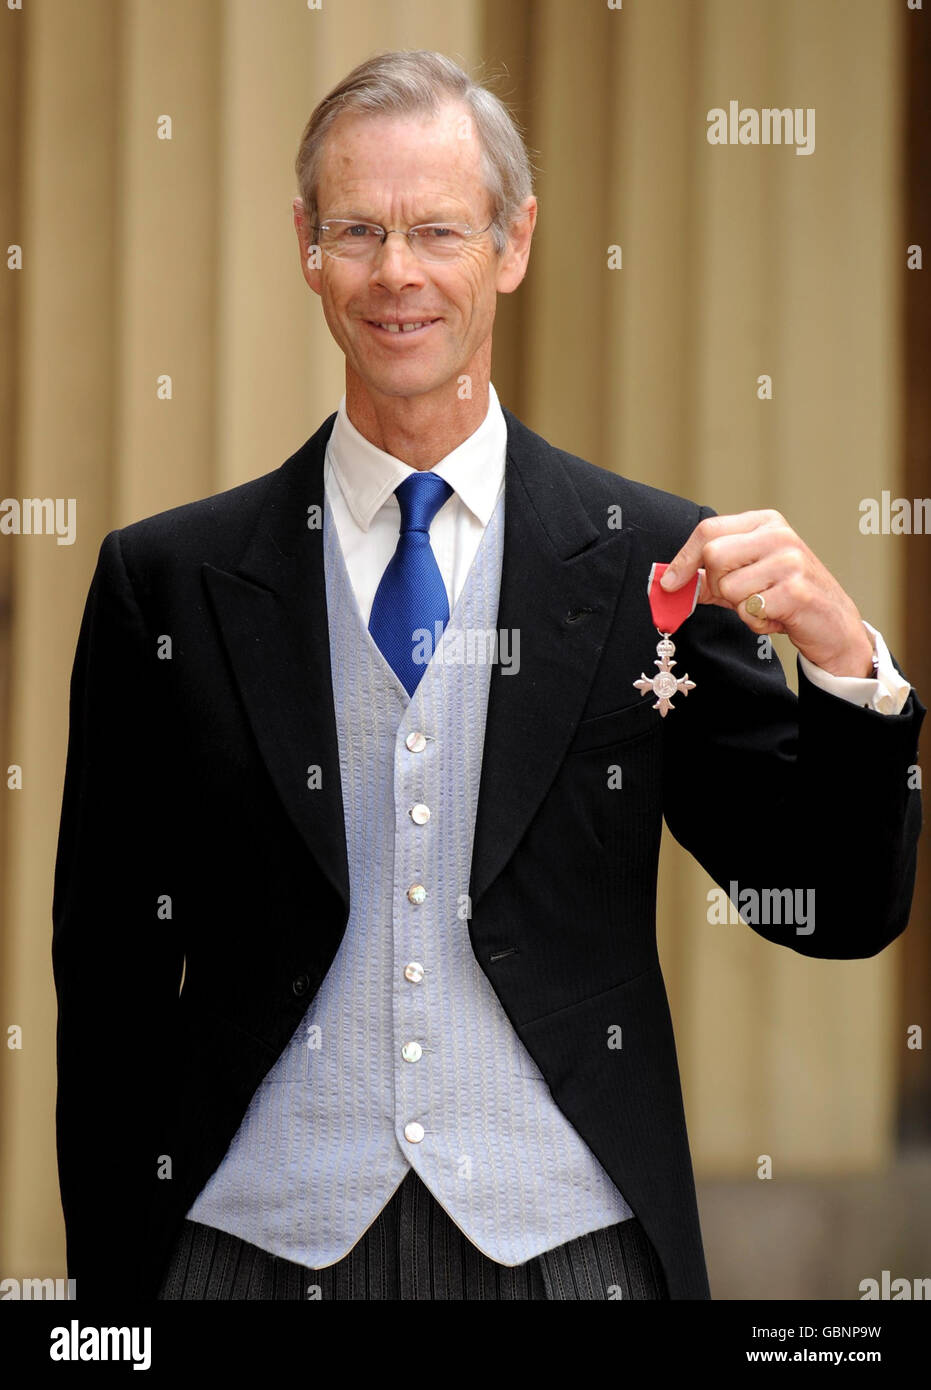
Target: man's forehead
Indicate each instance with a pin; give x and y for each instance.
(416, 146)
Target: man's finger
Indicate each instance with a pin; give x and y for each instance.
(687, 561)
(705, 592)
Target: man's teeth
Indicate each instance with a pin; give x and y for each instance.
(404, 327)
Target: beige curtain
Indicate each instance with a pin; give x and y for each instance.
(149, 260)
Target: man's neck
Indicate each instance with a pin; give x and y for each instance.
(419, 430)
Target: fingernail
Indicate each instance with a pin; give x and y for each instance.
(668, 580)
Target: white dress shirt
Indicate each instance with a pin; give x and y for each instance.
(360, 482)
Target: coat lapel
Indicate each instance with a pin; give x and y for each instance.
(272, 613)
(560, 579)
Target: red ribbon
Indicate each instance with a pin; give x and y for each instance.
(671, 610)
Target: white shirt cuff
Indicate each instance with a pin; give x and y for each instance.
(886, 693)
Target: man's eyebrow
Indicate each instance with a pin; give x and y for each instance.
(353, 215)
(348, 217)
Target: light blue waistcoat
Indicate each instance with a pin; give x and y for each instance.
(322, 1146)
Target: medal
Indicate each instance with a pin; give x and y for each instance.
(669, 613)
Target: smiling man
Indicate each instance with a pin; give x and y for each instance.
(397, 1027)
(412, 309)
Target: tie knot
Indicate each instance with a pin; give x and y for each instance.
(420, 497)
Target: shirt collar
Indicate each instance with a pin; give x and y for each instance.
(367, 476)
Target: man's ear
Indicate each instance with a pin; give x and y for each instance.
(310, 253)
(512, 264)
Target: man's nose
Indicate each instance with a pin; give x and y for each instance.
(395, 264)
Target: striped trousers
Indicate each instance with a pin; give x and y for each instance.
(413, 1250)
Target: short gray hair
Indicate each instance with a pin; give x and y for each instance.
(418, 81)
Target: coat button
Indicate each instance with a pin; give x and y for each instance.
(420, 813)
(413, 971)
(414, 1132)
(416, 742)
(417, 893)
(412, 1052)
(301, 985)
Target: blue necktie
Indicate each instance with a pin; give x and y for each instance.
(411, 594)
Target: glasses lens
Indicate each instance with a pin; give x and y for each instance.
(350, 240)
(439, 241)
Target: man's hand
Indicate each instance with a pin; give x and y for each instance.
(759, 553)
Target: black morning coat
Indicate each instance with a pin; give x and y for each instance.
(194, 838)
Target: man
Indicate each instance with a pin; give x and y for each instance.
(355, 935)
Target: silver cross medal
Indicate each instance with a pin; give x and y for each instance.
(664, 684)
(669, 612)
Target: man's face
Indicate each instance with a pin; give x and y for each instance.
(399, 172)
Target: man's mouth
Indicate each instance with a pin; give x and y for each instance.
(402, 326)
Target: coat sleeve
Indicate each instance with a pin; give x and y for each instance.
(772, 792)
(115, 955)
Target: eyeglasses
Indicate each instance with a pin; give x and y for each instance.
(360, 241)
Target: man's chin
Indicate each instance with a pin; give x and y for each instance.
(405, 380)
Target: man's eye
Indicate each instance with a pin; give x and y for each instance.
(439, 231)
(359, 231)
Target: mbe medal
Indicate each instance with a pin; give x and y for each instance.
(669, 613)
